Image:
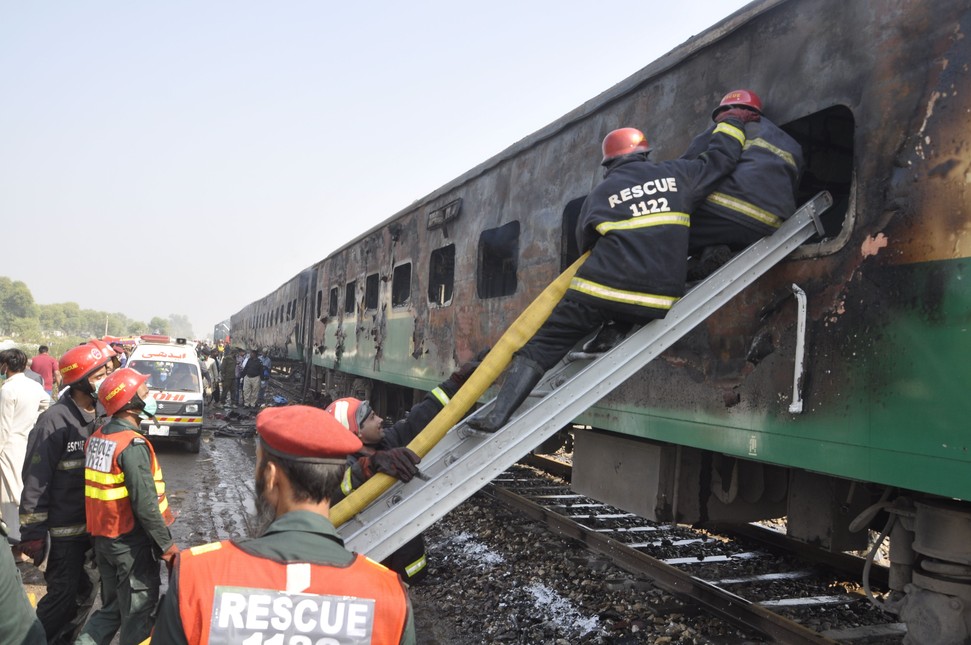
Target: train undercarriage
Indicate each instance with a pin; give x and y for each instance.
(929, 537)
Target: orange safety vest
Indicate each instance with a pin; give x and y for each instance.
(106, 503)
(227, 595)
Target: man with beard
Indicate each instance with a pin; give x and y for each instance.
(296, 577)
(52, 502)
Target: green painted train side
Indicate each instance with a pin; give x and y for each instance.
(899, 410)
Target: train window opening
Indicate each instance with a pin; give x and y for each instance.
(826, 138)
(441, 275)
(401, 285)
(498, 260)
(320, 301)
(569, 251)
(371, 291)
(333, 302)
(350, 296)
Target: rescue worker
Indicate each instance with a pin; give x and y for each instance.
(238, 591)
(127, 513)
(635, 225)
(755, 198)
(18, 622)
(52, 502)
(385, 451)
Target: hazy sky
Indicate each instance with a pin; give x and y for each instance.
(189, 157)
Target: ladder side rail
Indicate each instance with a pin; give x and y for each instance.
(466, 464)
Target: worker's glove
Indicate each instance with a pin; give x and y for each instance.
(462, 374)
(33, 549)
(401, 463)
(169, 556)
(742, 114)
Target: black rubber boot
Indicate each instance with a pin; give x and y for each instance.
(609, 335)
(521, 378)
(712, 258)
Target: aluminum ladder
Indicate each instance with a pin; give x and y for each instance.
(465, 460)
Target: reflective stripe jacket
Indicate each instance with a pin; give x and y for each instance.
(53, 496)
(297, 576)
(635, 225)
(115, 499)
(761, 191)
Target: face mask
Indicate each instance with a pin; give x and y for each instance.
(96, 385)
(151, 407)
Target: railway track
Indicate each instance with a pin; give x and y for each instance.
(758, 584)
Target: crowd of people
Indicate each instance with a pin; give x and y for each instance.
(83, 494)
(235, 377)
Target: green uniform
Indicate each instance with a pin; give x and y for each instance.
(18, 622)
(129, 564)
(298, 536)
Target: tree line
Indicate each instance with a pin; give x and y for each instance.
(63, 325)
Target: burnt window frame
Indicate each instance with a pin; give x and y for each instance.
(372, 291)
(444, 258)
(569, 249)
(334, 301)
(502, 281)
(396, 284)
(350, 297)
(806, 129)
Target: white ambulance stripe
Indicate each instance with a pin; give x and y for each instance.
(298, 577)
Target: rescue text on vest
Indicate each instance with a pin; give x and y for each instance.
(247, 616)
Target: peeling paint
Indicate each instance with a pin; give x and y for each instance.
(872, 244)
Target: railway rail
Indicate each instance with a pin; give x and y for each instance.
(784, 594)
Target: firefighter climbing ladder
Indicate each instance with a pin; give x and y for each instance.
(465, 460)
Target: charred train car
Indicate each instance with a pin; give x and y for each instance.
(878, 94)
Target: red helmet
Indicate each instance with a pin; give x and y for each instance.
(104, 347)
(78, 362)
(350, 412)
(735, 98)
(624, 141)
(119, 389)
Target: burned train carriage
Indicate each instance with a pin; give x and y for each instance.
(878, 97)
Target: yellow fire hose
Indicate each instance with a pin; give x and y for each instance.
(484, 375)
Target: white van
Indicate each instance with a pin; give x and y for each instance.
(175, 380)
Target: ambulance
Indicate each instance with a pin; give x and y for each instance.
(176, 382)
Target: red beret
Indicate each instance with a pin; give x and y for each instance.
(304, 433)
